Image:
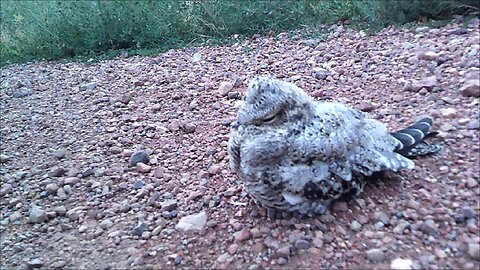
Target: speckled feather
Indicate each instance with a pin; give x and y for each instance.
(297, 154)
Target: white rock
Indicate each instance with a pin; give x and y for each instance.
(196, 57)
(401, 264)
(37, 215)
(193, 222)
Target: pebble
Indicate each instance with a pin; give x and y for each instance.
(35, 263)
(214, 169)
(321, 74)
(401, 264)
(106, 224)
(88, 86)
(302, 244)
(139, 229)
(4, 158)
(355, 226)
(143, 168)
(57, 172)
(71, 181)
(193, 222)
(169, 205)
(37, 215)
(138, 184)
(375, 255)
(474, 124)
(448, 112)
(283, 251)
(428, 227)
(242, 235)
(471, 88)
(223, 258)
(139, 156)
(471, 183)
(15, 216)
(190, 128)
(60, 153)
(473, 250)
(225, 88)
(6, 189)
(196, 57)
(51, 188)
(232, 249)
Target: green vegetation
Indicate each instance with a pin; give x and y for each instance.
(53, 29)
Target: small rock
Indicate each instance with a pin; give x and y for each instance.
(37, 215)
(60, 153)
(474, 250)
(375, 255)
(35, 263)
(4, 158)
(116, 150)
(428, 227)
(173, 126)
(57, 172)
(138, 184)
(106, 224)
(302, 244)
(88, 86)
(71, 181)
(355, 226)
(143, 168)
(15, 216)
(125, 99)
(169, 205)
(428, 83)
(422, 29)
(51, 188)
(225, 88)
(339, 206)
(471, 88)
(192, 222)
(429, 56)
(440, 253)
(366, 106)
(282, 261)
(471, 183)
(321, 74)
(242, 235)
(6, 189)
(283, 251)
(139, 229)
(448, 112)
(474, 124)
(232, 249)
(196, 57)
(223, 258)
(446, 127)
(190, 128)
(214, 169)
(401, 264)
(139, 156)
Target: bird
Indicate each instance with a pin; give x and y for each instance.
(295, 154)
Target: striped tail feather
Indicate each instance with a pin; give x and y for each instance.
(411, 139)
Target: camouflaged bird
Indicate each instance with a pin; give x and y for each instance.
(298, 155)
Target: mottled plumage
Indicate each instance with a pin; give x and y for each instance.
(297, 154)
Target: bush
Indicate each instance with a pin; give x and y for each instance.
(54, 29)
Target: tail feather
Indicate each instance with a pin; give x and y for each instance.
(410, 140)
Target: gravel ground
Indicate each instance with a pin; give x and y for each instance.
(123, 163)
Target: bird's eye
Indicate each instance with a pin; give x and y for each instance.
(269, 119)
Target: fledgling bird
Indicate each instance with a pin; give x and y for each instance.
(296, 154)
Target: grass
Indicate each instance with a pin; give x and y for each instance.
(55, 29)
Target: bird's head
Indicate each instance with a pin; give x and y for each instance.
(268, 100)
